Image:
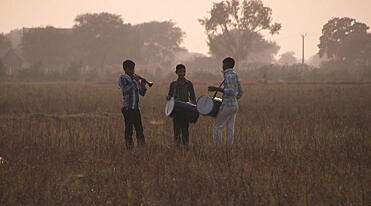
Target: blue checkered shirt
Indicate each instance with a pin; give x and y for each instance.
(130, 90)
(232, 88)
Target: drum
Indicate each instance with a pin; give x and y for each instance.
(188, 109)
(208, 106)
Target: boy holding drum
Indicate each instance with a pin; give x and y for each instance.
(182, 90)
(228, 110)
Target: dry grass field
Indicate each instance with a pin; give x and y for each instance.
(63, 144)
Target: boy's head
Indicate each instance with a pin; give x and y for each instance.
(228, 63)
(180, 70)
(128, 66)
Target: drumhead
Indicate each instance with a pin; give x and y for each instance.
(204, 105)
(169, 106)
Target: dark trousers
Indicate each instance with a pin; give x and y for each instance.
(133, 118)
(181, 124)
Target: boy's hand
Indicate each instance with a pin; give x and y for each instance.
(168, 98)
(143, 83)
(136, 78)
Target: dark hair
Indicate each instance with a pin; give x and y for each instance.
(229, 62)
(128, 64)
(179, 66)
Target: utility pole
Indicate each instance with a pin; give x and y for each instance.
(303, 36)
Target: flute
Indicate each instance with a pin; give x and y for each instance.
(145, 81)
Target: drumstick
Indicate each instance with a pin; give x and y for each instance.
(217, 90)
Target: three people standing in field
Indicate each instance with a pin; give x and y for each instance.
(181, 90)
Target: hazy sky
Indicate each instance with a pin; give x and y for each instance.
(296, 16)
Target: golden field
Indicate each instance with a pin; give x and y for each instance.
(63, 144)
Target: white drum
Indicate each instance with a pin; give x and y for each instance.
(187, 109)
(208, 106)
(169, 108)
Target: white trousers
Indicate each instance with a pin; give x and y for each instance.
(226, 115)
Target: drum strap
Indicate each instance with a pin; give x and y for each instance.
(219, 87)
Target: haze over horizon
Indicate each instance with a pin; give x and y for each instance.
(297, 17)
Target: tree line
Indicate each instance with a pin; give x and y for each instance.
(233, 28)
(102, 39)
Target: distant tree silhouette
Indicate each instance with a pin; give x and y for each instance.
(345, 39)
(287, 58)
(49, 45)
(103, 38)
(2, 70)
(5, 43)
(261, 50)
(159, 41)
(233, 25)
(97, 40)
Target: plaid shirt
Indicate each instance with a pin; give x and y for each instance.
(130, 89)
(182, 92)
(232, 88)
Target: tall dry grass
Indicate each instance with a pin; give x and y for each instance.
(62, 144)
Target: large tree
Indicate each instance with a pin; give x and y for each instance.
(345, 39)
(103, 38)
(4, 43)
(262, 50)
(232, 26)
(49, 45)
(159, 41)
(4, 46)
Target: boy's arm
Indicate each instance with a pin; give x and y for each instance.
(240, 90)
(125, 84)
(192, 94)
(142, 89)
(171, 90)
